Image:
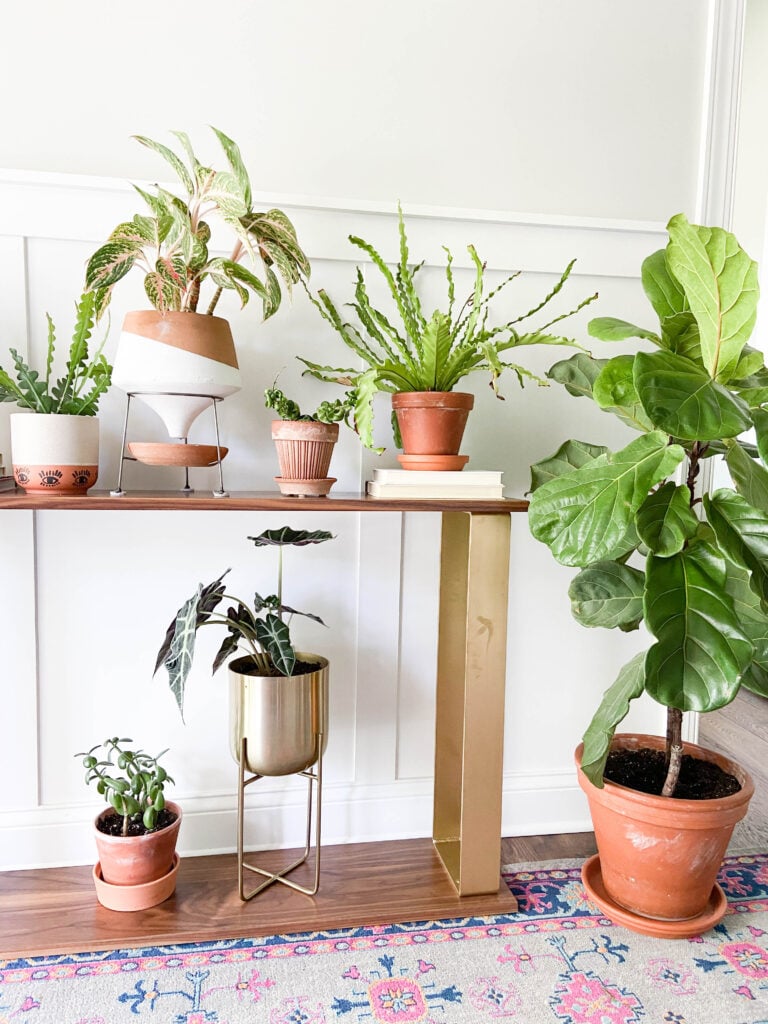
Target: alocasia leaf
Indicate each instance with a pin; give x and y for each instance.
(273, 635)
(614, 706)
(608, 594)
(286, 536)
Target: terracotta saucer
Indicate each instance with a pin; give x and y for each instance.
(714, 911)
(165, 454)
(305, 488)
(135, 897)
(451, 463)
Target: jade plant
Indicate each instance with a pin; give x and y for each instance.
(337, 411)
(427, 352)
(169, 242)
(650, 548)
(78, 390)
(261, 629)
(131, 781)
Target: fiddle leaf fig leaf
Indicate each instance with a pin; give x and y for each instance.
(577, 374)
(569, 456)
(720, 282)
(274, 636)
(701, 651)
(680, 398)
(663, 291)
(613, 709)
(610, 328)
(608, 594)
(665, 520)
(754, 622)
(760, 420)
(742, 533)
(749, 478)
(586, 515)
(614, 391)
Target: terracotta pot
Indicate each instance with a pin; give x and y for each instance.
(135, 897)
(659, 856)
(171, 359)
(279, 716)
(136, 860)
(304, 450)
(54, 453)
(432, 424)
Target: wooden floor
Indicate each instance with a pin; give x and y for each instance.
(55, 910)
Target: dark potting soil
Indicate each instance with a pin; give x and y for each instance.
(645, 770)
(301, 668)
(112, 825)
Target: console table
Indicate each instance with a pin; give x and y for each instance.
(471, 661)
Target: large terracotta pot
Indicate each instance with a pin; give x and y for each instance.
(136, 860)
(304, 449)
(169, 358)
(659, 856)
(431, 427)
(280, 717)
(54, 453)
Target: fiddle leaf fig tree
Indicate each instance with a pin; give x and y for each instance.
(649, 548)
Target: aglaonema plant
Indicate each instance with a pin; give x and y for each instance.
(261, 629)
(650, 548)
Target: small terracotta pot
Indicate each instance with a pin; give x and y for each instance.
(432, 422)
(304, 450)
(136, 860)
(659, 856)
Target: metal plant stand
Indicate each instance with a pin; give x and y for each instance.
(118, 491)
(314, 775)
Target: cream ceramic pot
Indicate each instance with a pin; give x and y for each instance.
(54, 453)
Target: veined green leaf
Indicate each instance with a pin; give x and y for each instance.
(742, 533)
(182, 648)
(680, 334)
(585, 516)
(720, 282)
(274, 636)
(609, 328)
(682, 399)
(665, 520)
(701, 652)
(436, 343)
(749, 478)
(608, 594)
(663, 291)
(569, 456)
(614, 391)
(760, 420)
(754, 622)
(613, 709)
(577, 374)
(285, 537)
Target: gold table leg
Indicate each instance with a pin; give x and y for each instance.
(471, 669)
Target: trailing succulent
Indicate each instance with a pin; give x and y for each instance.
(260, 629)
(426, 353)
(649, 548)
(170, 242)
(84, 381)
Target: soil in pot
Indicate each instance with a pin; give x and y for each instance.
(645, 770)
(112, 824)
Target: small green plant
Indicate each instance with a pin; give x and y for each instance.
(337, 411)
(84, 381)
(170, 243)
(427, 353)
(138, 791)
(260, 629)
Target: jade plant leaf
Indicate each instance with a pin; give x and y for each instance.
(577, 374)
(742, 533)
(569, 456)
(683, 400)
(749, 478)
(608, 594)
(586, 515)
(720, 281)
(701, 651)
(665, 520)
(613, 708)
(614, 391)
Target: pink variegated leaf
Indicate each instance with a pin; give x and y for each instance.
(110, 263)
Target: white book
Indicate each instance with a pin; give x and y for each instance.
(479, 492)
(438, 478)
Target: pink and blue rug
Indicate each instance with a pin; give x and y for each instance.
(557, 960)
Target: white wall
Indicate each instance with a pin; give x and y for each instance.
(537, 132)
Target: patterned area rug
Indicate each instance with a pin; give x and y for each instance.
(558, 959)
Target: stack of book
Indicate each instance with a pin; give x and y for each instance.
(7, 482)
(414, 483)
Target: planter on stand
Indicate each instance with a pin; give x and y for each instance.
(304, 450)
(658, 857)
(279, 726)
(431, 425)
(54, 453)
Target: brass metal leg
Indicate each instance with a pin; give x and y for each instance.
(471, 665)
(312, 777)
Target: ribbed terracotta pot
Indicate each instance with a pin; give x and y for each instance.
(136, 860)
(279, 716)
(169, 358)
(659, 856)
(432, 424)
(304, 449)
(54, 453)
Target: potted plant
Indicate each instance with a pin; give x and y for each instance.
(56, 450)
(693, 568)
(305, 441)
(178, 359)
(136, 835)
(421, 361)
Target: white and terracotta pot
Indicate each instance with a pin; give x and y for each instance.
(164, 358)
(54, 453)
(304, 450)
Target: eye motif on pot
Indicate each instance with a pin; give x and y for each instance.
(81, 477)
(22, 474)
(50, 477)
